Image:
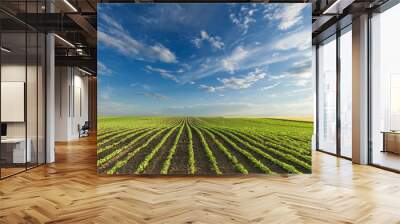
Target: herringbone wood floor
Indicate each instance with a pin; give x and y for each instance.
(70, 191)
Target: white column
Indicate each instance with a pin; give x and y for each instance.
(314, 82)
(50, 93)
(360, 90)
(50, 110)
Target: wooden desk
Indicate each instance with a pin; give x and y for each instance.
(16, 147)
(391, 141)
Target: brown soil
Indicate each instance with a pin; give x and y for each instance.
(242, 159)
(157, 162)
(114, 160)
(224, 164)
(203, 166)
(105, 153)
(179, 163)
(134, 162)
(266, 162)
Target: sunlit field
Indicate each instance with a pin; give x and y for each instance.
(203, 145)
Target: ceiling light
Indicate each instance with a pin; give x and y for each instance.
(64, 40)
(70, 5)
(84, 71)
(5, 50)
(337, 7)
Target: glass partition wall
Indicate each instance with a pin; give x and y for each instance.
(345, 62)
(22, 107)
(385, 89)
(334, 105)
(327, 95)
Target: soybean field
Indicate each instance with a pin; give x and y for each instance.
(202, 145)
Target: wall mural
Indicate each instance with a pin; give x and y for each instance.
(204, 89)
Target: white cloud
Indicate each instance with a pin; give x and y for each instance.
(243, 82)
(209, 89)
(215, 41)
(112, 34)
(298, 91)
(301, 82)
(162, 53)
(302, 78)
(102, 69)
(270, 86)
(231, 62)
(243, 19)
(237, 83)
(287, 15)
(162, 72)
(277, 77)
(303, 75)
(298, 40)
(241, 58)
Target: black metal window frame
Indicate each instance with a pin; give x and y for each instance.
(339, 32)
(389, 4)
(44, 80)
(381, 9)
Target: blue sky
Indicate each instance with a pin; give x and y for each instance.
(205, 59)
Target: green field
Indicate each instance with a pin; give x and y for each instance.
(202, 145)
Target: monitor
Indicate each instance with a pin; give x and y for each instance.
(3, 129)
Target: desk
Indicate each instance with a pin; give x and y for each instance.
(391, 141)
(17, 150)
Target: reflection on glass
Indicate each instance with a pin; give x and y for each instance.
(13, 86)
(386, 89)
(41, 99)
(346, 94)
(327, 96)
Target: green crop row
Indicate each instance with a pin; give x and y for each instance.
(275, 148)
(245, 153)
(284, 166)
(103, 160)
(271, 150)
(239, 167)
(112, 138)
(286, 142)
(209, 153)
(116, 143)
(192, 161)
(108, 133)
(131, 154)
(142, 166)
(167, 162)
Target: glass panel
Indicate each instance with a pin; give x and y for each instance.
(327, 96)
(31, 99)
(346, 93)
(13, 87)
(32, 89)
(386, 89)
(41, 99)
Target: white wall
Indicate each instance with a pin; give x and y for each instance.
(71, 94)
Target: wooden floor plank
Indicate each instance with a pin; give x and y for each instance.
(70, 191)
